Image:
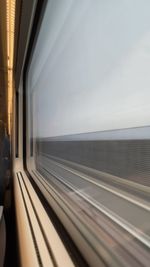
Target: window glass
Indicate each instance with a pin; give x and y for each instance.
(88, 87)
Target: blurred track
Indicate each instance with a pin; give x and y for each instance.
(117, 218)
(135, 190)
(132, 214)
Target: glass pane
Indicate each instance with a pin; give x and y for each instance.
(89, 120)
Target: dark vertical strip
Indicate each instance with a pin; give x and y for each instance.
(17, 124)
(31, 125)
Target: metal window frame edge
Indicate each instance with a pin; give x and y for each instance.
(28, 255)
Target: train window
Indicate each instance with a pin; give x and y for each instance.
(88, 116)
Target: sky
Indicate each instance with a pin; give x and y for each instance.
(90, 67)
